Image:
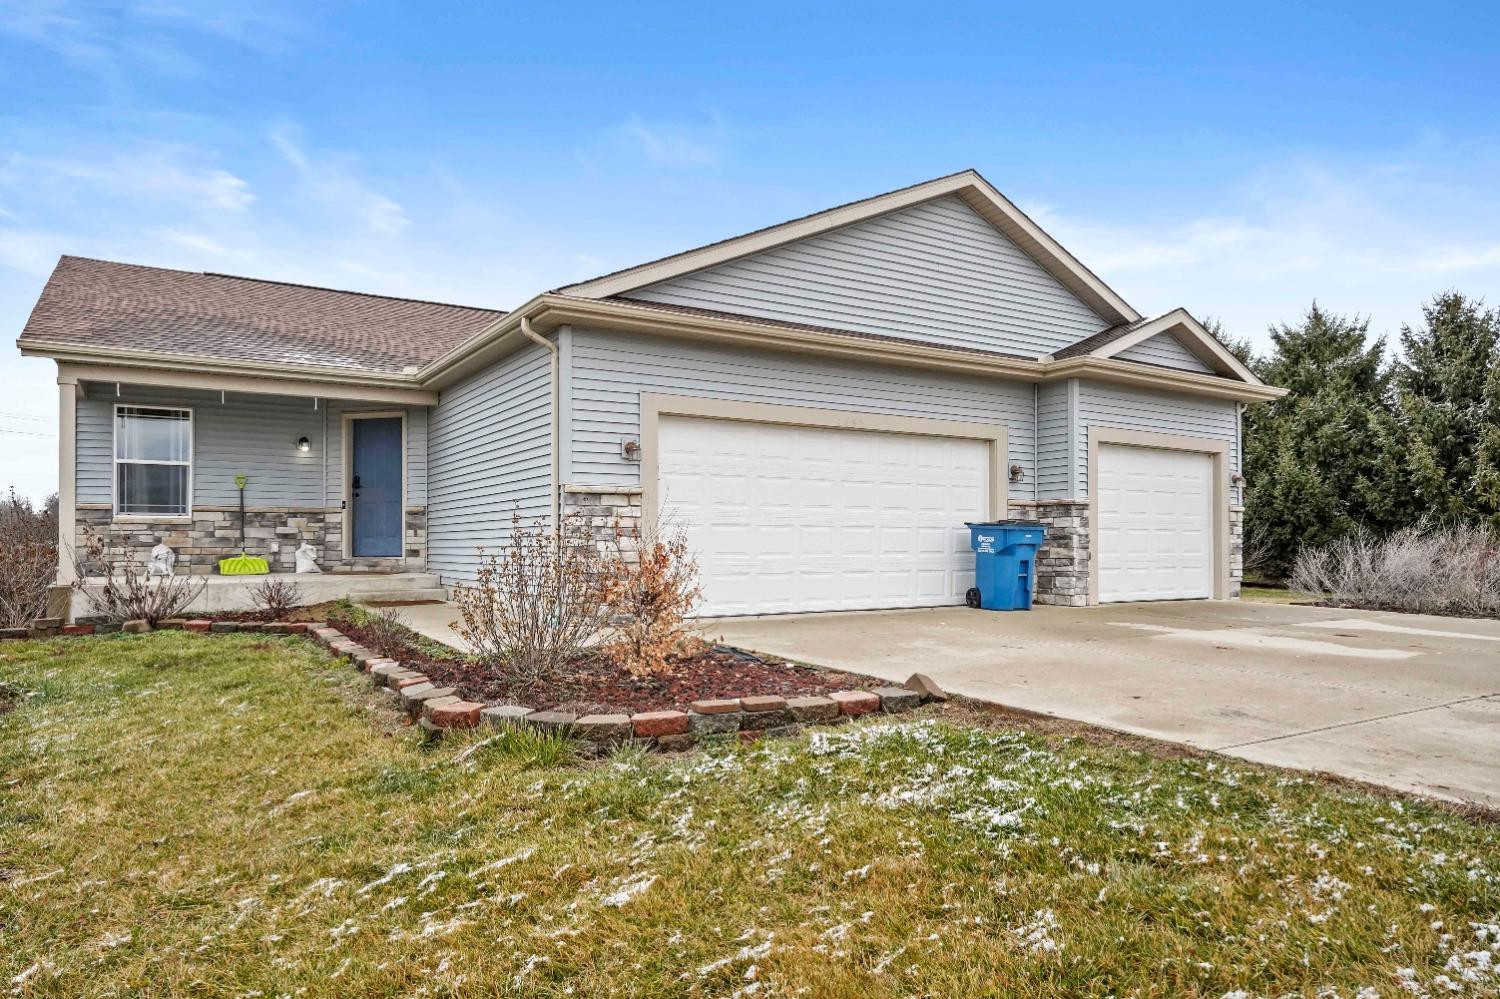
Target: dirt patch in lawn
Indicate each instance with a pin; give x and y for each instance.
(594, 684)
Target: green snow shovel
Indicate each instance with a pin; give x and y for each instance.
(242, 564)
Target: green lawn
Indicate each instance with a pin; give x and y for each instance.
(1271, 595)
(186, 815)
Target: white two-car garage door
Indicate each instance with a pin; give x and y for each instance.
(788, 519)
(1155, 524)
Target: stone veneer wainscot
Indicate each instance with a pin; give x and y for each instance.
(213, 533)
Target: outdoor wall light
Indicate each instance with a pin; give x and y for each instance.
(303, 444)
(1017, 473)
(630, 450)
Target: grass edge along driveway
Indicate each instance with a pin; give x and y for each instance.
(232, 816)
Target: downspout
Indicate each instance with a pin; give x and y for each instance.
(1239, 451)
(555, 507)
(1036, 443)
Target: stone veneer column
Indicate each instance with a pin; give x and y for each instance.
(1236, 551)
(611, 514)
(1063, 563)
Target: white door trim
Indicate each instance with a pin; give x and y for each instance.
(1216, 449)
(655, 406)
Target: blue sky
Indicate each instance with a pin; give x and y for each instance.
(1239, 163)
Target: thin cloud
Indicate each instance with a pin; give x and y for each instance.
(1370, 239)
(158, 173)
(677, 145)
(332, 186)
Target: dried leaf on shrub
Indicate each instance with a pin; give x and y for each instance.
(652, 589)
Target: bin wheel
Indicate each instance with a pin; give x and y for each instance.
(971, 597)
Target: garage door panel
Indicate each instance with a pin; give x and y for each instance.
(1155, 517)
(787, 519)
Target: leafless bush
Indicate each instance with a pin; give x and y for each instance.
(28, 559)
(123, 592)
(535, 602)
(387, 630)
(651, 587)
(275, 597)
(1257, 556)
(1420, 569)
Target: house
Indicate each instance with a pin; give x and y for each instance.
(822, 404)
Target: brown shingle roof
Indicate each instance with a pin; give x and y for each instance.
(99, 303)
(1089, 344)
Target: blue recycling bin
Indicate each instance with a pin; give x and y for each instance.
(1004, 552)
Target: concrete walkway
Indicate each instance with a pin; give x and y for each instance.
(435, 621)
(1408, 701)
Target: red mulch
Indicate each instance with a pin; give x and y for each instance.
(597, 685)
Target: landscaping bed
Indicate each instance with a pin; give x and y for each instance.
(593, 684)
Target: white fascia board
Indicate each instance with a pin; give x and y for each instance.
(1180, 323)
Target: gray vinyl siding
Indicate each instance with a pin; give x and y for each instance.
(1053, 441)
(610, 371)
(1105, 405)
(1166, 351)
(242, 434)
(489, 439)
(935, 272)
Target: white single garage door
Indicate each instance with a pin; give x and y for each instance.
(787, 519)
(1155, 524)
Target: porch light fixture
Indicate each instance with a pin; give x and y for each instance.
(1017, 473)
(303, 444)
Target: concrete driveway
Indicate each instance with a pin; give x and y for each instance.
(1408, 701)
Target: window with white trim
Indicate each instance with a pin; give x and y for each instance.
(153, 461)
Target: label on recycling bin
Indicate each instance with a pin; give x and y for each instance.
(986, 543)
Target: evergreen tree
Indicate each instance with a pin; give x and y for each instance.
(1311, 457)
(1442, 438)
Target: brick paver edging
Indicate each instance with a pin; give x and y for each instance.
(744, 718)
(438, 708)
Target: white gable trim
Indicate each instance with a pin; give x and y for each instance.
(1191, 334)
(977, 192)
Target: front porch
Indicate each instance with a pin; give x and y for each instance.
(213, 465)
(233, 593)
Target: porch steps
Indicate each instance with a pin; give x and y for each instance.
(436, 593)
(406, 586)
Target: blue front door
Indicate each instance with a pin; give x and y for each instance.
(375, 489)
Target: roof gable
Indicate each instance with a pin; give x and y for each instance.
(1120, 343)
(1167, 351)
(968, 185)
(935, 272)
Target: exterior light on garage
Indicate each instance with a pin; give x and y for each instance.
(1017, 473)
(303, 444)
(630, 450)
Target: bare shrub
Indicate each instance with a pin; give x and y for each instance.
(534, 604)
(387, 630)
(275, 597)
(1419, 569)
(28, 559)
(651, 587)
(121, 591)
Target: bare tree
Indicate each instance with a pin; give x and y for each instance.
(28, 558)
